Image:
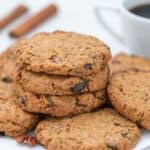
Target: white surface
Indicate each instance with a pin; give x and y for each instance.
(74, 15)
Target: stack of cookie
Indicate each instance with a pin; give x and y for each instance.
(64, 74)
(61, 73)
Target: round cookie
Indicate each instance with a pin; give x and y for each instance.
(101, 130)
(59, 105)
(129, 93)
(41, 83)
(122, 62)
(13, 120)
(63, 53)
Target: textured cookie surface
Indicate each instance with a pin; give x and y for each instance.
(7, 65)
(129, 92)
(63, 53)
(101, 130)
(60, 105)
(40, 83)
(122, 62)
(13, 120)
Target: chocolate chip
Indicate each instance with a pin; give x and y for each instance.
(112, 146)
(135, 69)
(138, 122)
(53, 58)
(7, 79)
(88, 66)
(22, 99)
(2, 134)
(117, 124)
(78, 104)
(125, 135)
(79, 87)
(38, 96)
(49, 100)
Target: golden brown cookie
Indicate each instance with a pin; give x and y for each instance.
(41, 83)
(60, 106)
(63, 53)
(122, 62)
(13, 120)
(129, 93)
(101, 130)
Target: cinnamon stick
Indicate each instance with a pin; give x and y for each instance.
(14, 14)
(33, 21)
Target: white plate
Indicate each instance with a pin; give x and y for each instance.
(10, 144)
(75, 15)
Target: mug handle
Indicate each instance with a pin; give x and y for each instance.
(106, 7)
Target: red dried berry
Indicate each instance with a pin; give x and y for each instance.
(26, 139)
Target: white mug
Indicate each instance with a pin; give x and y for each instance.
(135, 29)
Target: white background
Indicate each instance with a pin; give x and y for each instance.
(74, 15)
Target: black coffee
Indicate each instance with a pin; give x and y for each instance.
(142, 10)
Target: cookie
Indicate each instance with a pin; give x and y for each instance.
(13, 120)
(101, 130)
(129, 93)
(41, 83)
(7, 65)
(122, 62)
(59, 105)
(63, 53)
